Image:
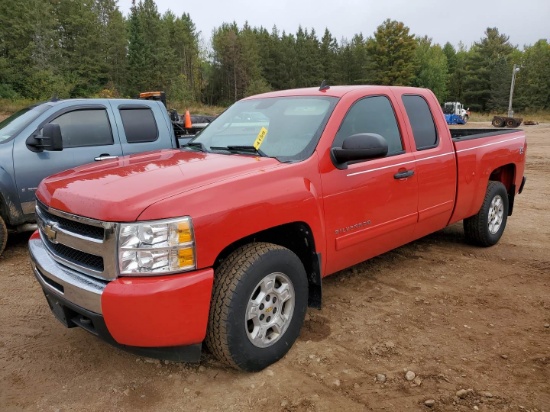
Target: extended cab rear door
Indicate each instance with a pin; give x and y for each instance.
(435, 159)
(370, 206)
(143, 126)
(88, 135)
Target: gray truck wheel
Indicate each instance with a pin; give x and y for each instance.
(487, 226)
(3, 235)
(258, 306)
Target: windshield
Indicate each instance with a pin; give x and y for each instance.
(19, 120)
(287, 128)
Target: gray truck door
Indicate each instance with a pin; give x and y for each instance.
(88, 133)
(143, 127)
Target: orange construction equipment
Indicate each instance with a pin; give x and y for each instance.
(154, 96)
(187, 121)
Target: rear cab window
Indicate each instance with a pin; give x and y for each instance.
(139, 124)
(422, 122)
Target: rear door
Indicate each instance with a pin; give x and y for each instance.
(143, 127)
(435, 162)
(87, 132)
(370, 206)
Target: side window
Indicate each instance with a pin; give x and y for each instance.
(140, 125)
(372, 115)
(89, 127)
(422, 122)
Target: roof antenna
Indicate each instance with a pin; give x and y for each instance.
(324, 86)
(54, 98)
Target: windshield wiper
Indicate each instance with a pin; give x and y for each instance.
(240, 149)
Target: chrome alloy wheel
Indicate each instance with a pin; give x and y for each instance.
(269, 310)
(496, 214)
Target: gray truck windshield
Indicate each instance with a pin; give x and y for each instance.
(287, 128)
(18, 121)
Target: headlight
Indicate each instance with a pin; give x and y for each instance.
(156, 247)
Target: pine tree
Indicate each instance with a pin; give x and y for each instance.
(533, 79)
(82, 60)
(391, 55)
(329, 58)
(432, 72)
(114, 40)
(27, 55)
(481, 81)
(353, 60)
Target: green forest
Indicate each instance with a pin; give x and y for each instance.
(88, 48)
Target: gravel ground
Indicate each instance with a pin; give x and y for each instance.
(434, 325)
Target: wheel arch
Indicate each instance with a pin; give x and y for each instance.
(3, 208)
(297, 237)
(507, 176)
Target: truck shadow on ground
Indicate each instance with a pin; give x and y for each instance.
(16, 245)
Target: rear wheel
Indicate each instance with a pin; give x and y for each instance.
(3, 235)
(487, 226)
(498, 122)
(258, 306)
(511, 123)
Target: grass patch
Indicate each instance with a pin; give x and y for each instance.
(8, 107)
(196, 108)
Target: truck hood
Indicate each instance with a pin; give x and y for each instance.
(119, 190)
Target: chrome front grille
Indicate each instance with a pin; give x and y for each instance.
(86, 260)
(85, 245)
(77, 227)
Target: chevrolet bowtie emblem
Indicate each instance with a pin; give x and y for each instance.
(50, 233)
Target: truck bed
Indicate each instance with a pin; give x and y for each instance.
(469, 134)
(499, 151)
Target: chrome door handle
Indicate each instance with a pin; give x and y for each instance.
(104, 156)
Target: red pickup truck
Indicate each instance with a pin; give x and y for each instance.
(226, 241)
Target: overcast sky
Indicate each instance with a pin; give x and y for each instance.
(524, 21)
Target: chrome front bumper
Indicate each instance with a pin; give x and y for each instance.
(64, 282)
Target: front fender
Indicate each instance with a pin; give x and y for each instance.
(10, 207)
(228, 211)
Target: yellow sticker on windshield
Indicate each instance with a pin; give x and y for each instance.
(260, 138)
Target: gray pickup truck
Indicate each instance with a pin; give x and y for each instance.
(53, 136)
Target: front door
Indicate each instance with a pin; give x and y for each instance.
(87, 134)
(370, 206)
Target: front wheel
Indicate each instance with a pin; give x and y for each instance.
(487, 226)
(465, 118)
(3, 235)
(258, 306)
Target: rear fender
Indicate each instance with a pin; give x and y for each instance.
(507, 176)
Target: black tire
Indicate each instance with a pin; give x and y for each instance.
(465, 118)
(487, 226)
(511, 122)
(498, 122)
(3, 235)
(240, 283)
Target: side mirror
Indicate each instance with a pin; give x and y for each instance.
(362, 146)
(50, 139)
